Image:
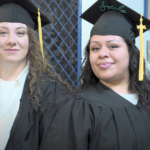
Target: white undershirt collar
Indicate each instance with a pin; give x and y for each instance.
(132, 98)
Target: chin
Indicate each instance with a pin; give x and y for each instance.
(10, 60)
(107, 79)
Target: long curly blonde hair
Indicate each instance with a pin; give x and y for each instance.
(37, 64)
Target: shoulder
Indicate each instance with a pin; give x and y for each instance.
(79, 111)
(88, 98)
(81, 101)
(89, 95)
(47, 90)
(47, 83)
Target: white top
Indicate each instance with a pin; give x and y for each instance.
(10, 94)
(132, 98)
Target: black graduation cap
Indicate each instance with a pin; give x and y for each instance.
(22, 11)
(111, 17)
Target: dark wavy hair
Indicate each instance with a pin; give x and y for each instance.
(142, 88)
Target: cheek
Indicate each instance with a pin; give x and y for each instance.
(2, 42)
(123, 59)
(25, 44)
(91, 61)
(92, 58)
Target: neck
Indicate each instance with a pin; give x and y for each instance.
(10, 71)
(118, 87)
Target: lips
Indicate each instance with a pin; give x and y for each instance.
(105, 65)
(11, 50)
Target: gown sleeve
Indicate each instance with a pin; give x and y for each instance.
(72, 126)
(49, 90)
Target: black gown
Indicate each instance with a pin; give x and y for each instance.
(99, 119)
(31, 124)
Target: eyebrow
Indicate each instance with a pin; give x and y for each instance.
(106, 41)
(94, 42)
(111, 41)
(16, 28)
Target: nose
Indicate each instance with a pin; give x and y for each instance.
(104, 52)
(11, 39)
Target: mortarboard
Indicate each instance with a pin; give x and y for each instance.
(111, 17)
(23, 11)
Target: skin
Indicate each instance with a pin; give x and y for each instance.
(109, 59)
(14, 45)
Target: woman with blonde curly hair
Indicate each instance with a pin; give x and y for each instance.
(27, 85)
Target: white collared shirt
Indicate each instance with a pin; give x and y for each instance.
(10, 94)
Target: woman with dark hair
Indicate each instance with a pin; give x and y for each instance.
(142, 88)
(28, 87)
(111, 109)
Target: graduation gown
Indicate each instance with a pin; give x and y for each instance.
(99, 119)
(32, 123)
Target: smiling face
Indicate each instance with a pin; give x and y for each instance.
(14, 42)
(109, 58)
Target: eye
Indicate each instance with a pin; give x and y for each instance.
(113, 46)
(95, 48)
(20, 33)
(3, 33)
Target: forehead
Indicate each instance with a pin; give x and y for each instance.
(105, 37)
(12, 25)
